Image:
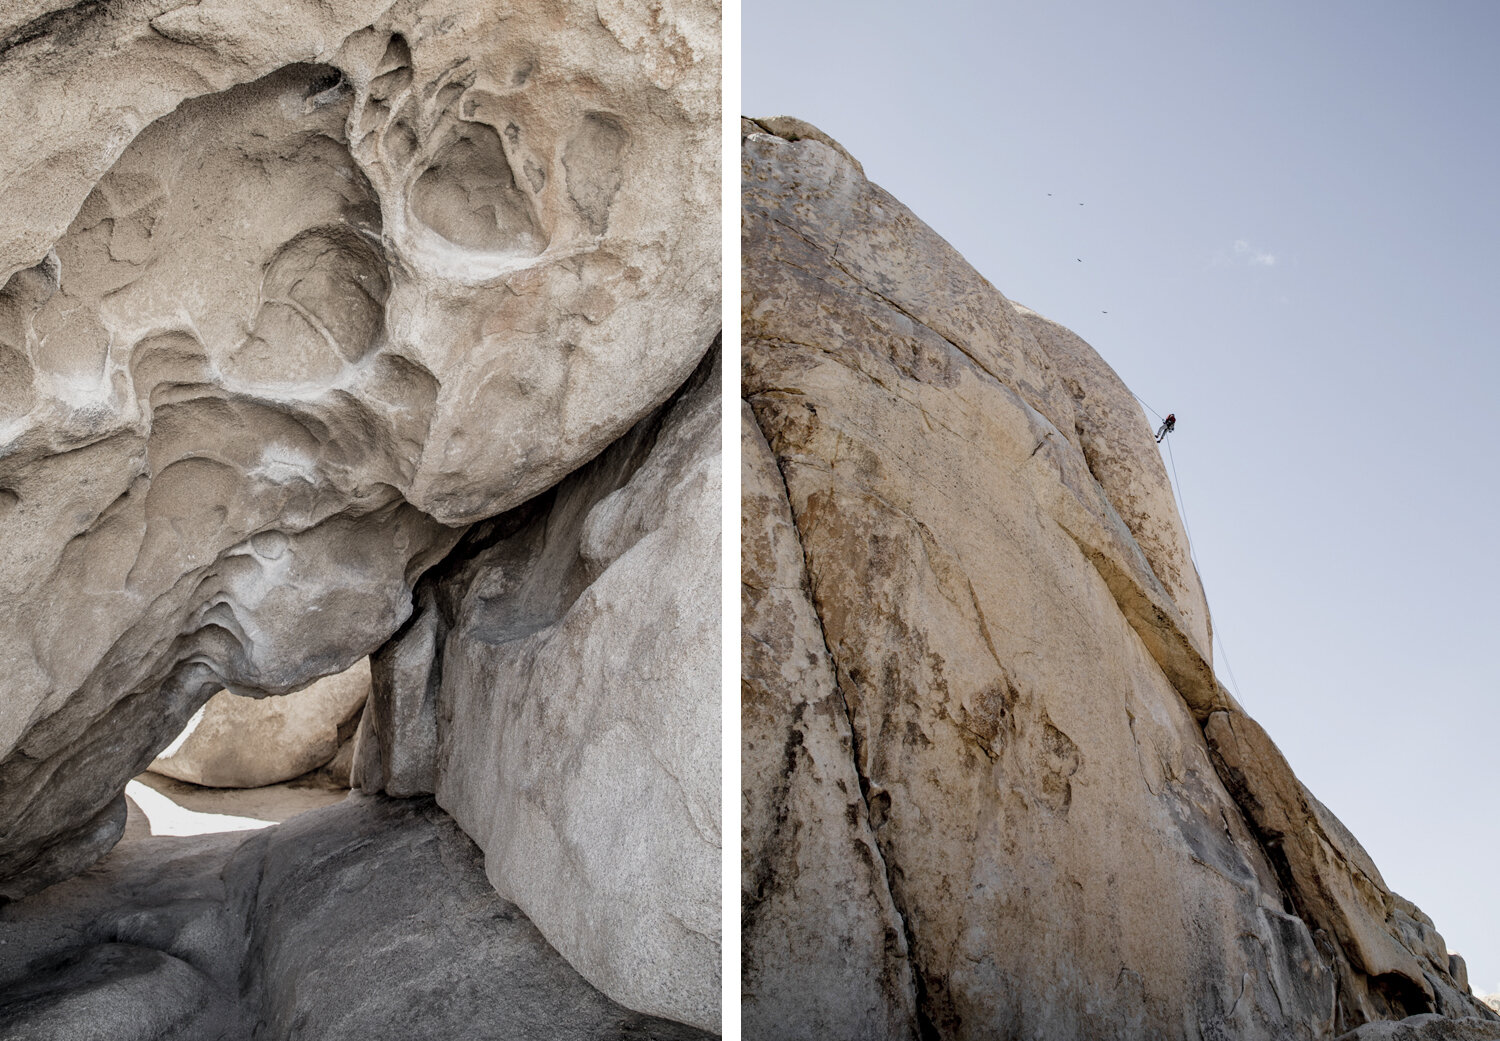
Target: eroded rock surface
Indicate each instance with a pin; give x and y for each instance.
(290, 294)
(226, 937)
(992, 787)
(559, 691)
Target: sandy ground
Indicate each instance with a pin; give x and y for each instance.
(162, 806)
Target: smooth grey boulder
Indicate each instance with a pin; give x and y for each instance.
(570, 708)
(114, 992)
(1427, 1027)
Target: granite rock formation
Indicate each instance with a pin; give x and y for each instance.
(292, 295)
(992, 787)
(1428, 1026)
(293, 292)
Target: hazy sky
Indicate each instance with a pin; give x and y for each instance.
(1290, 214)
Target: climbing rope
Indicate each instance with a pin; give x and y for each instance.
(1192, 555)
(1181, 503)
(1142, 400)
(1228, 667)
(1188, 529)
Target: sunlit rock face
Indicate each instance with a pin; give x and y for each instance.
(992, 787)
(292, 293)
(235, 742)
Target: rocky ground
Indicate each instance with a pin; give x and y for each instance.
(198, 934)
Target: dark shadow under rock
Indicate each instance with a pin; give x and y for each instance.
(371, 919)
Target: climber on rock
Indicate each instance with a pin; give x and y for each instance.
(1168, 425)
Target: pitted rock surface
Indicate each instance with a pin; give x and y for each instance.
(290, 294)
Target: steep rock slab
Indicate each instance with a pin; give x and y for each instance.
(1058, 844)
(223, 937)
(1127, 466)
(824, 951)
(1023, 646)
(570, 707)
(1388, 956)
(294, 292)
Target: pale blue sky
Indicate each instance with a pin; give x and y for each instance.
(1290, 215)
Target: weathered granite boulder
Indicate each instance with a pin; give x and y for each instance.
(228, 937)
(291, 293)
(236, 742)
(992, 787)
(559, 690)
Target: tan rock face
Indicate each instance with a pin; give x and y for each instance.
(812, 824)
(1079, 832)
(293, 291)
(236, 742)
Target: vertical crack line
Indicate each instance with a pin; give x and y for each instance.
(926, 1030)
